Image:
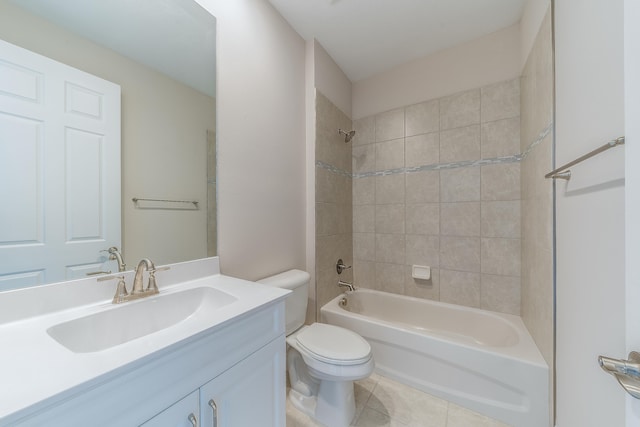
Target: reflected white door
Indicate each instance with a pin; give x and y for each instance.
(59, 169)
(632, 188)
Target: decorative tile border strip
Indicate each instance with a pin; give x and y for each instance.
(331, 168)
(440, 166)
(541, 136)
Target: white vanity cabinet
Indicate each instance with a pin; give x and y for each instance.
(250, 393)
(183, 413)
(239, 364)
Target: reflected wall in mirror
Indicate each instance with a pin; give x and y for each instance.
(162, 55)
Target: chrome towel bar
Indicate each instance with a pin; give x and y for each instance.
(560, 173)
(189, 202)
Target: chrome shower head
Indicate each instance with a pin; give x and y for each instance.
(347, 135)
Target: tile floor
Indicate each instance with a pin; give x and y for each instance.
(381, 401)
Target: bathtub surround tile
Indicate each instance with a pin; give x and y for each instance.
(428, 289)
(365, 131)
(460, 185)
(460, 287)
(422, 250)
(537, 192)
(422, 118)
(364, 158)
(390, 125)
(446, 171)
(328, 289)
(389, 277)
(390, 248)
(390, 154)
(501, 182)
(390, 219)
(389, 189)
(461, 109)
(423, 187)
(501, 100)
(334, 194)
(460, 144)
(330, 146)
(460, 219)
(500, 293)
(423, 219)
(364, 191)
(422, 149)
(363, 218)
(501, 256)
(500, 138)
(364, 274)
(460, 253)
(364, 246)
(501, 219)
(327, 219)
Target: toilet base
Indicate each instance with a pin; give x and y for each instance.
(333, 406)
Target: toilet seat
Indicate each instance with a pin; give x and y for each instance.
(333, 344)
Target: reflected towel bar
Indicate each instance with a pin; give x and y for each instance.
(559, 172)
(138, 199)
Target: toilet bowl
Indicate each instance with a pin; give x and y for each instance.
(322, 360)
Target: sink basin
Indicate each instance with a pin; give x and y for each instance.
(122, 323)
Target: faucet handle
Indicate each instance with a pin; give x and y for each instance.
(340, 267)
(152, 286)
(121, 289)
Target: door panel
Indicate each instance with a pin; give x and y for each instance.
(59, 169)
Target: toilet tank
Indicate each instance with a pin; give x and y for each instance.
(297, 281)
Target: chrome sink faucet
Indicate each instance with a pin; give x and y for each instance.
(138, 290)
(114, 254)
(145, 264)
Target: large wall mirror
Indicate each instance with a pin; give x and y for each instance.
(161, 53)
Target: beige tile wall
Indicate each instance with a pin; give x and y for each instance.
(537, 192)
(463, 221)
(333, 202)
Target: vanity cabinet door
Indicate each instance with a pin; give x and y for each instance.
(251, 393)
(183, 413)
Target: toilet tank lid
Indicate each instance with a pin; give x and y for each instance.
(288, 280)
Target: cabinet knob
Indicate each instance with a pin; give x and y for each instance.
(193, 420)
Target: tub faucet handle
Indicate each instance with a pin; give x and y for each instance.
(340, 267)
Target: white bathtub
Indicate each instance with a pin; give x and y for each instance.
(481, 360)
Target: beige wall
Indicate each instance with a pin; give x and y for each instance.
(532, 17)
(590, 228)
(486, 60)
(438, 184)
(261, 140)
(164, 129)
(330, 79)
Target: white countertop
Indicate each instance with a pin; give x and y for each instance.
(34, 367)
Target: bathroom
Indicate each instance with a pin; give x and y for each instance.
(269, 225)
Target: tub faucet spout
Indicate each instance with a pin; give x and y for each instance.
(343, 284)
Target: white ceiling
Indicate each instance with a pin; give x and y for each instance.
(174, 37)
(366, 37)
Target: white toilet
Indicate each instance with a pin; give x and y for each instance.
(322, 360)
